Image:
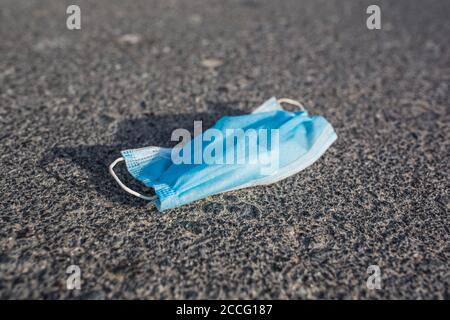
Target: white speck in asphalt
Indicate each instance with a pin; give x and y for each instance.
(130, 38)
(195, 19)
(212, 63)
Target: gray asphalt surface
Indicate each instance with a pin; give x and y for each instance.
(71, 100)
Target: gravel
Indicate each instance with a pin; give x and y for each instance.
(71, 100)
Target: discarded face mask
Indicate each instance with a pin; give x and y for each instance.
(260, 148)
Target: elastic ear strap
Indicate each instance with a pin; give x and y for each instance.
(124, 187)
(293, 102)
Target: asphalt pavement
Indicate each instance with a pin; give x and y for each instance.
(71, 100)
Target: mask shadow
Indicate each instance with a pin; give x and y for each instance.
(86, 167)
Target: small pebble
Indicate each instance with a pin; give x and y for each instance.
(130, 39)
(212, 63)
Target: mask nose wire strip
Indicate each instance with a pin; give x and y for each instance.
(124, 187)
(293, 102)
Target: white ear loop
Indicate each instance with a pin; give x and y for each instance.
(293, 102)
(124, 187)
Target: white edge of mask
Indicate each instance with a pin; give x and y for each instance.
(268, 106)
(326, 139)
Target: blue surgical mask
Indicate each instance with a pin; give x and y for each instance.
(260, 148)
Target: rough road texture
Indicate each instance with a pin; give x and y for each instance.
(71, 100)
